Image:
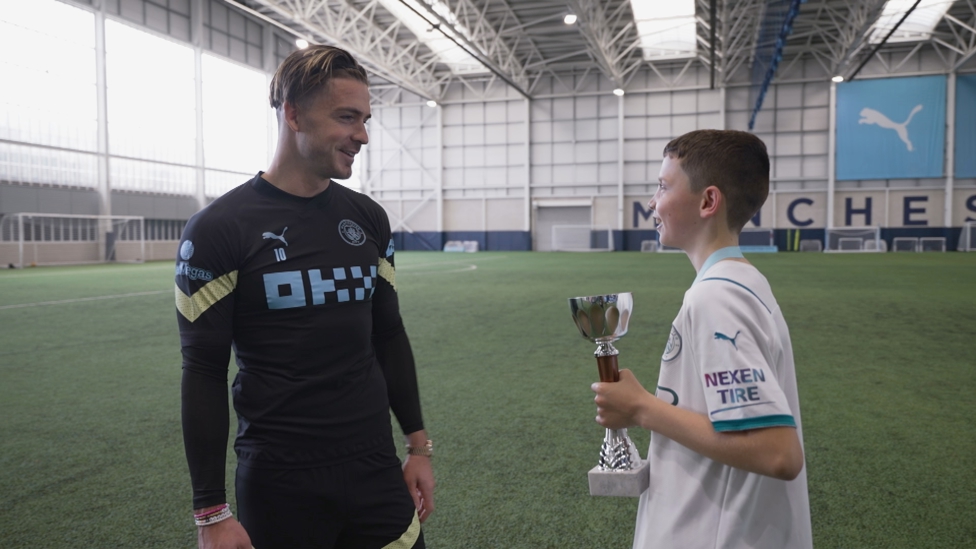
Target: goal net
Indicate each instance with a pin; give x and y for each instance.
(967, 238)
(932, 244)
(31, 239)
(851, 239)
(582, 238)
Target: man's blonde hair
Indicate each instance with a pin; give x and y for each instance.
(306, 71)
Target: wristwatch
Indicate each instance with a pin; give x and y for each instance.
(425, 450)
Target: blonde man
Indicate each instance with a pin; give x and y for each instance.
(296, 274)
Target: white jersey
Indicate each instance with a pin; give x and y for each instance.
(729, 357)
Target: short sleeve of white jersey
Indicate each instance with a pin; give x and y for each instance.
(737, 344)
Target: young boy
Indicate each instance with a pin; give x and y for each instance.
(726, 453)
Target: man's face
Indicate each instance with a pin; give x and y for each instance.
(676, 208)
(332, 127)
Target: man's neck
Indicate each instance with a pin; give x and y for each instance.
(292, 179)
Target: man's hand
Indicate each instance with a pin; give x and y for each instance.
(621, 404)
(226, 534)
(419, 476)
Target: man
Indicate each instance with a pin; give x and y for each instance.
(726, 455)
(296, 273)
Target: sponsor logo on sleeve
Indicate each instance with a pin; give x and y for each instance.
(185, 269)
(186, 250)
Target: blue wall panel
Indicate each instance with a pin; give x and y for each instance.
(891, 128)
(965, 126)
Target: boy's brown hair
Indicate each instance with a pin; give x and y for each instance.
(308, 70)
(734, 161)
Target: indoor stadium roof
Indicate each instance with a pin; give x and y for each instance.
(523, 41)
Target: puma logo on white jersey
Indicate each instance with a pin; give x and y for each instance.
(871, 116)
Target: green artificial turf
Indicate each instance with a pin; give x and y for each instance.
(91, 453)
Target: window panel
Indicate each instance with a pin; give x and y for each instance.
(151, 98)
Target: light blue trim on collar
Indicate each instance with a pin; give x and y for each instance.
(731, 252)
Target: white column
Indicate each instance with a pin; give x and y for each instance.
(620, 162)
(196, 19)
(440, 168)
(721, 108)
(101, 87)
(528, 167)
(831, 153)
(950, 143)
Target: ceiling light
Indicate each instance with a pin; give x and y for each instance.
(432, 103)
(667, 30)
(918, 26)
(570, 19)
(619, 92)
(301, 43)
(837, 79)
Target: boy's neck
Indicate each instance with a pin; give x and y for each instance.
(711, 242)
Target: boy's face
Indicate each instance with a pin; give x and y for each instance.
(676, 208)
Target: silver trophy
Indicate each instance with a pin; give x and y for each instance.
(603, 319)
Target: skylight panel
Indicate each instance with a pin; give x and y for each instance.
(459, 61)
(917, 27)
(667, 30)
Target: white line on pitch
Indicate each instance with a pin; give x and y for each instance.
(409, 266)
(79, 300)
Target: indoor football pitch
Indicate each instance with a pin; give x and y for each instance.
(91, 453)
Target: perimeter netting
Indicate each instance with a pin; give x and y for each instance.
(32, 239)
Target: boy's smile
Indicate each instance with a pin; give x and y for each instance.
(675, 207)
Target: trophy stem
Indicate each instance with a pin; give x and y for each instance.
(606, 362)
(618, 452)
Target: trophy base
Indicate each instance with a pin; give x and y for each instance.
(630, 483)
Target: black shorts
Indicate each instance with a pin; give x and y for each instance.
(360, 504)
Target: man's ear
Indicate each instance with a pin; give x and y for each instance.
(290, 112)
(712, 200)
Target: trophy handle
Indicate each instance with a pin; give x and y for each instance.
(607, 365)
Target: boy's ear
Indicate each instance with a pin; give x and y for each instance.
(712, 201)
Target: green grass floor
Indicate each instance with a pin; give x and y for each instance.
(91, 453)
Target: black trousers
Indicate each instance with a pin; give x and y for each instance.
(360, 504)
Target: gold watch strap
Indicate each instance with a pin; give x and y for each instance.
(425, 450)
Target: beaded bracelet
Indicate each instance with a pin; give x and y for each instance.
(213, 511)
(223, 513)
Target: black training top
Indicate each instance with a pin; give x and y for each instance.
(304, 290)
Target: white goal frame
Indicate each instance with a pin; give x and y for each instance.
(938, 241)
(854, 239)
(32, 239)
(967, 238)
(904, 244)
(581, 238)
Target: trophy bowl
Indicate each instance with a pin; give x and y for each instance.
(603, 319)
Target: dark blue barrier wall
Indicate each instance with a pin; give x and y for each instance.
(490, 241)
(784, 239)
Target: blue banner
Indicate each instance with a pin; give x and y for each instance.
(891, 128)
(966, 126)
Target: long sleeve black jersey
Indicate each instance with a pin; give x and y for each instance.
(303, 289)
